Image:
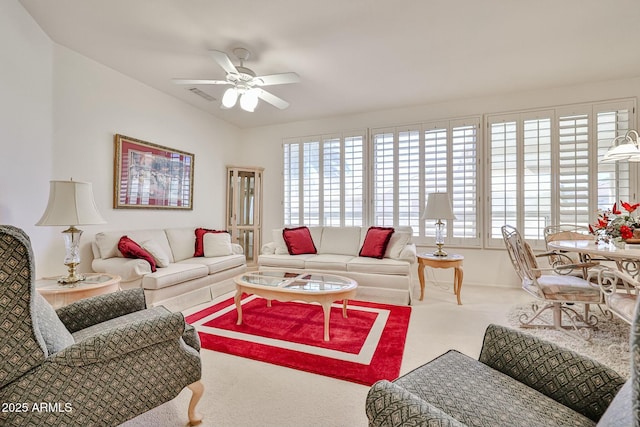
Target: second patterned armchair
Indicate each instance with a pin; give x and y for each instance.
(99, 361)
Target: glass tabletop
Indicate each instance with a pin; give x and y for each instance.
(297, 281)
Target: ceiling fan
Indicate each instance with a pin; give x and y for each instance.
(244, 82)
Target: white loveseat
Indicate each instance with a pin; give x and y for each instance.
(184, 282)
(388, 280)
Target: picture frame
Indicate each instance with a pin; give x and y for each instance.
(150, 176)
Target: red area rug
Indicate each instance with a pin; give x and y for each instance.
(365, 347)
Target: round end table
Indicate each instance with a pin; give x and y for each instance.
(59, 295)
(450, 261)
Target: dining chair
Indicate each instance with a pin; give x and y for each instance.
(620, 292)
(558, 292)
(564, 262)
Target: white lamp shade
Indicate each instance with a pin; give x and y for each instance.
(230, 97)
(249, 100)
(438, 207)
(71, 203)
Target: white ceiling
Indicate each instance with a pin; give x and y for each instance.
(353, 56)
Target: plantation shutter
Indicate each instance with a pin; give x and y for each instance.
(291, 203)
(354, 197)
(383, 179)
(464, 182)
(536, 177)
(503, 178)
(411, 162)
(573, 169)
(614, 179)
(332, 177)
(324, 180)
(435, 166)
(408, 177)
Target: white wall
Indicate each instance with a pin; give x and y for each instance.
(59, 113)
(262, 147)
(26, 130)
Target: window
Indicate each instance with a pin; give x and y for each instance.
(543, 167)
(539, 167)
(410, 162)
(324, 180)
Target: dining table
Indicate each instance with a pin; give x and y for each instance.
(627, 258)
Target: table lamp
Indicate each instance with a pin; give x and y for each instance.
(71, 203)
(439, 208)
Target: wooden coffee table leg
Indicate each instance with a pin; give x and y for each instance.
(344, 308)
(237, 300)
(326, 307)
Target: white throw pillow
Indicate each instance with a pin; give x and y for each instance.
(217, 244)
(399, 240)
(281, 246)
(151, 246)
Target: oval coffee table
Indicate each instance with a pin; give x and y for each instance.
(285, 286)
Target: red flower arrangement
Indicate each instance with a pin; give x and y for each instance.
(613, 225)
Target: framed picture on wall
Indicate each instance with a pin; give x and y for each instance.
(151, 176)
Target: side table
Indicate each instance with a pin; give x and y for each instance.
(60, 295)
(450, 261)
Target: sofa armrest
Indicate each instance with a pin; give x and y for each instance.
(91, 311)
(575, 381)
(268, 248)
(388, 404)
(122, 340)
(127, 268)
(408, 253)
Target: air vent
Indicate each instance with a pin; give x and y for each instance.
(200, 93)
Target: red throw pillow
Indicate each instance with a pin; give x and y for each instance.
(200, 232)
(131, 249)
(299, 241)
(376, 242)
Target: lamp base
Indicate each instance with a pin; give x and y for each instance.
(73, 277)
(439, 251)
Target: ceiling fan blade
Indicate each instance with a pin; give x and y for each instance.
(200, 82)
(277, 79)
(223, 60)
(272, 99)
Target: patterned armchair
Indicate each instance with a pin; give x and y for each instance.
(99, 361)
(519, 380)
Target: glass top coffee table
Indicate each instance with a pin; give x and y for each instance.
(288, 286)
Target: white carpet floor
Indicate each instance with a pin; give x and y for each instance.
(243, 392)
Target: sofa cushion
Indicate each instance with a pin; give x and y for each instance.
(182, 241)
(328, 262)
(475, 394)
(216, 244)
(399, 239)
(159, 255)
(284, 261)
(200, 233)
(217, 264)
(378, 266)
(299, 241)
(131, 249)
(107, 241)
(376, 241)
(172, 275)
(340, 241)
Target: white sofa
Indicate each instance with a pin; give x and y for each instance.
(388, 280)
(186, 281)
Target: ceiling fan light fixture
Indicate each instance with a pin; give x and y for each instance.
(249, 100)
(230, 97)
